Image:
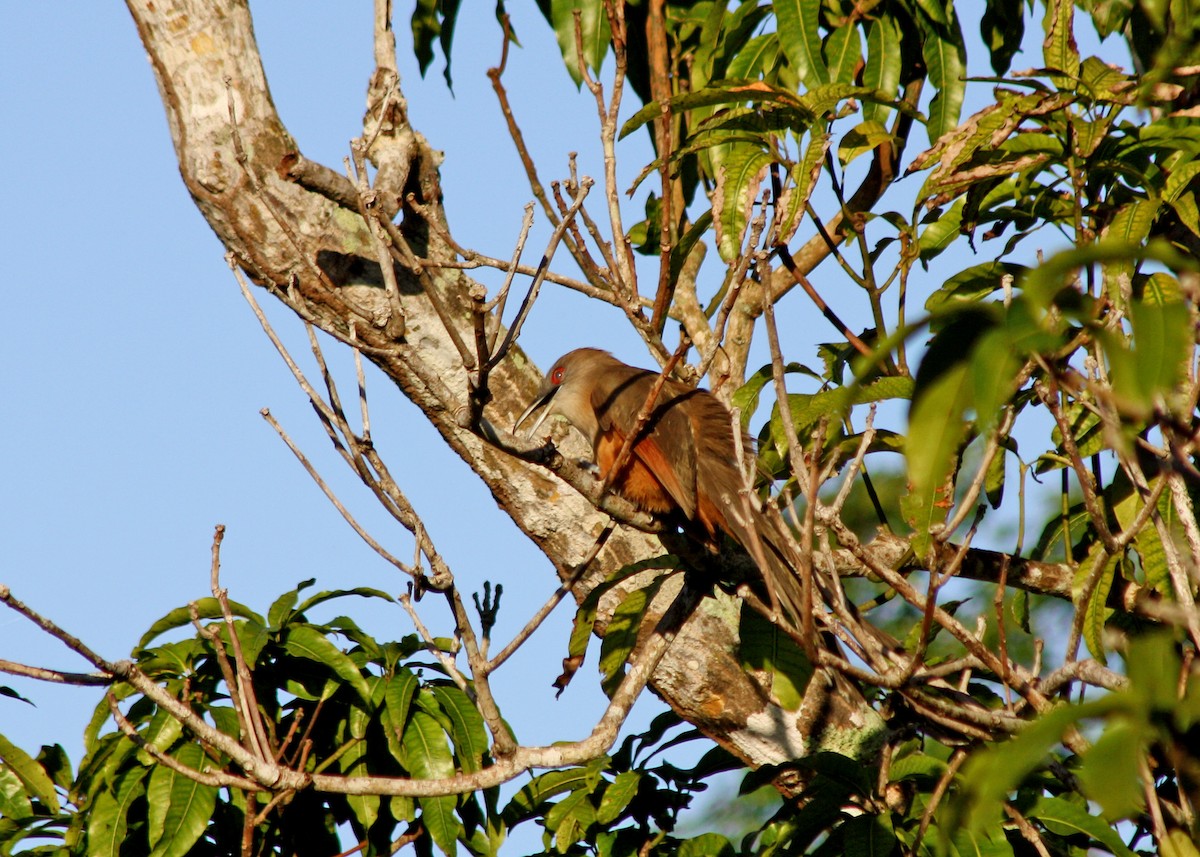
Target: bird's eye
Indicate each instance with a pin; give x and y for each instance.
(557, 375)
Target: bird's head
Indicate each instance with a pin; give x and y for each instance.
(566, 390)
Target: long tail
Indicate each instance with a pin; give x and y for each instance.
(775, 554)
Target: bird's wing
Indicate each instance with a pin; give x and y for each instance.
(666, 446)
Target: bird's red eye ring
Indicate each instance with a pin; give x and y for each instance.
(557, 375)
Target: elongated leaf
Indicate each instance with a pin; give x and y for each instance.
(426, 753)
(162, 733)
(398, 697)
(304, 641)
(1110, 771)
(428, 756)
(1129, 227)
(804, 177)
(534, 795)
(14, 802)
(1096, 609)
(882, 70)
(1002, 27)
(31, 774)
(355, 762)
(940, 234)
(622, 634)
(946, 60)
(360, 591)
(282, 606)
(594, 27)
(1162, 336)
(109, 817)
(800, 39)
(180, 808)
(437, 813)
(757, 57)
(707, 845)
(727, 92)
(971, 285)
(737, 186)
(470, 739)
(764, 647)
(863, 138)
(936, 429)
(1065, 814)
(843, 51)
(807, 409)
(208, 608)
(1059, 48)
(617, 796)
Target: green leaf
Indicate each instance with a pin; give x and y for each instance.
(764, 647)
(282, 606)
(360, 591)
(32, 775)
(426, 753)
(971, 285)
(727, 92)
(755, 58)
(304, 641)
(937, 425)
(868, 836)
(398, 697)
(1068, 817)
(5, 690)
(161, 734)
(1129, 228)
(427, 756)
(470, 739)
(1059, 48)
(940, 234)
(706, 845)
(991, 774)
(617, 796)
(737, 186)
(207, 608)
(437, 814)
(425, 28)
(993, 484)
(1162, 336)
(917, 766)
(593, 26)
(843, 51)
(569, 820)
(180, 808)
(1096, 610)
(804, 175)
(946, 60)
(863, 138)
(1109, 772)
(622, 634)
(108, 819)
(882, 70)
(355, 762)
(1002, 27)
(14, 802)
(527, 802)
(808, 408)
(800, 39)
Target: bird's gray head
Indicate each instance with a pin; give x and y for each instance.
(566, 390)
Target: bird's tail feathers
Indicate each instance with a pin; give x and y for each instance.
(774, 552)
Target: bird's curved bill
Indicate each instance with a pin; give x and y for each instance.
(543, 398)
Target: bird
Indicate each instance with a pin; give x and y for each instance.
(683, 461)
